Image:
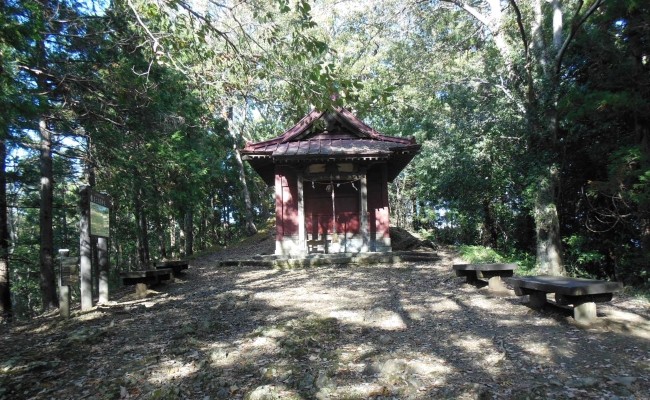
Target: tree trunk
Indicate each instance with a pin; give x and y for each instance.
(547, 226)
(203, 230)
(162, 246)
(48, 286)
(490, 233)
(214, 221)
(189, 232)
(6, 311)
(543, 61)
(92, 182)
(49, 297)
(251, 229)
(142, 232)
(172, 236)
(642, 129)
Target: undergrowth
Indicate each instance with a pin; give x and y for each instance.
(482, 254)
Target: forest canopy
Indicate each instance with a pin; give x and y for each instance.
(533, 115)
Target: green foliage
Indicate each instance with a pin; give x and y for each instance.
(639, 292)
(584, 259)
(526, 264)
(155, 98)
(479, 254)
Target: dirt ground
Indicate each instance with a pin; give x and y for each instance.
(409, 331)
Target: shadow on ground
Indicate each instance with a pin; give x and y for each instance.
(389, 331)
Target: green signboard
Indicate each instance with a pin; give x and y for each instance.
(99, 215)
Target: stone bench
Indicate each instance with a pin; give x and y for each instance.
(583, 294)
(177, 266)
(492, 272)
(142, 279)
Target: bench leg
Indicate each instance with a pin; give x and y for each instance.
(585, 312)
(537, 299)
(496, 284)
(471, 277)
(141, 290)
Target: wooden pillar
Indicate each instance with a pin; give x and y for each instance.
(85, 256)
(363, 217)
(64, 288)
(301, 215)
(102, 256)
(279, 232)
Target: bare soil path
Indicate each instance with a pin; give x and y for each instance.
(409, 331)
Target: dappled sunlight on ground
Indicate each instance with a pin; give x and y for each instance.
(616, 320)
(172, 369)
(439, 305)
(408, 331)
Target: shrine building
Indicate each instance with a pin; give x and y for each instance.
(331, 174)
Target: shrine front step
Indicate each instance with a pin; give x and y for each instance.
(315, 260)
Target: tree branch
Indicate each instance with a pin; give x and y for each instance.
(471, 10)
(206, 21)
(156, 43)
(520, 25)
(575, 25)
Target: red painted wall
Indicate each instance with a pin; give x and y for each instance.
(379, 218)
(286, 202)
(318, 205)
(318, 208)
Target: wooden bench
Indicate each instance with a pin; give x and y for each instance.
(492, 272)
(177, 266)
(144, 278)
(583, 294)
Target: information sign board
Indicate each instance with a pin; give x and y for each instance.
(99, 214)
(69, 271)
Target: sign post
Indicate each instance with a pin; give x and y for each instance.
(94, 221)
(68, 276)
(102, 256)
(100, 227)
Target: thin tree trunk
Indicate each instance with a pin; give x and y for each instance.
(189, 232)
(162, 246)
(94, 265)
(49, 298)
(203, 225)
(160, 232)
(6, 311)
(490, 232)
(172, 235)
(143, 234)
(251, 229)
(217, 223)
(47, 282)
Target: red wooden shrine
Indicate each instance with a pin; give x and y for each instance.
(331, 174)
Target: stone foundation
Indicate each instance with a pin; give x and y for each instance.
(350, 244)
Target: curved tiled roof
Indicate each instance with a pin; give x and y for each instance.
(336, 134)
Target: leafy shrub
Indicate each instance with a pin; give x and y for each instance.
(582, 258)
(480, 254)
